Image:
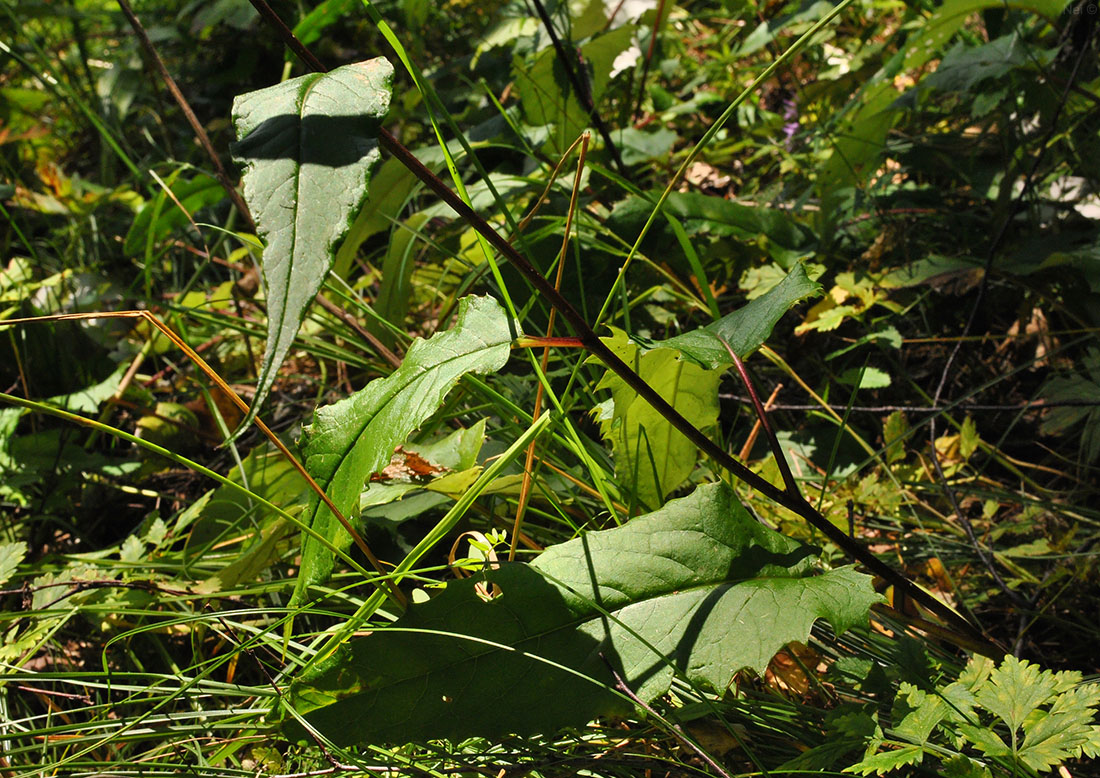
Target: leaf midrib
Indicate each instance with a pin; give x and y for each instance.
(492, 646)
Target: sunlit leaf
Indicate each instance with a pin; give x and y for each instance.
(307, 146)
(352, 439)
(698, 588)
(749, 326)
(11, 554)
(651, 457)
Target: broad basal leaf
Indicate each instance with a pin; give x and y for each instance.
(352, 439)
(697, 588)
(651, 457)
(307, 146)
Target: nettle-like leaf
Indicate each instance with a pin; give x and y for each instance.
(651, 456)
(11, 554)
(351, 439)
(1076, 388)
(308, 146)
(697, 588)
(1015, 693)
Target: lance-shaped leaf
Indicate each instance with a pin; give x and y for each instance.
(351, 439)
(697, 588)
(308, 146)
(748, 327)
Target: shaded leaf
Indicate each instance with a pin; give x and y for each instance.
(783, 238)
(1076, 388)
(546, 94)
(307, 146)
(698, 588)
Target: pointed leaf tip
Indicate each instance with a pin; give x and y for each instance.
(355, 437)
(308, 146)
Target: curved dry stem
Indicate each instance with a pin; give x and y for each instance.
(525, 489)
(191, 354)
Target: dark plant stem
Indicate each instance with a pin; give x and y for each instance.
(196, 126)
(649, 56)
(580, 88)
(762, 415)
(591, 341)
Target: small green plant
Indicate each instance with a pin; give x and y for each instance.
(1012, 719)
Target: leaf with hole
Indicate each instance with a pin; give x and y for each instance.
(698, 589)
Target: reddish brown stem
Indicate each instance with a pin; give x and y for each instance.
(181, 101)
(538, 341)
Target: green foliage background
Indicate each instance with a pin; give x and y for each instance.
(933, 167)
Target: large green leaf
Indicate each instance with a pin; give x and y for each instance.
(698, 588)
(651, 457)
(351, 439)
(307, 146)
(745, 329)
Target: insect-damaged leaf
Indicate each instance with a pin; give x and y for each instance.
(308, 146)
(697, 588)
(351, 439)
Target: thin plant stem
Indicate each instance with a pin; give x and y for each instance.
(580, 88)
(181, 344)
(769, 404)
(762, 417)
(675, 729)
(529, 463)
(649, 56)
(196, 126)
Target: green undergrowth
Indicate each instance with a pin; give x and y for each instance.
(890, 212)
